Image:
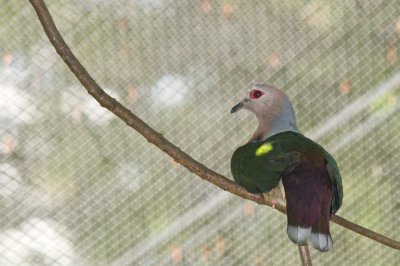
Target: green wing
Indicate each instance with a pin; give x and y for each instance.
(259, 166)
(336, 180)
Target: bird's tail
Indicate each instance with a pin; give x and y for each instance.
(318, 233)
(298, 234)
(320, 236)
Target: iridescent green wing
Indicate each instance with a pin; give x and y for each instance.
(259, 166)
(336, 179)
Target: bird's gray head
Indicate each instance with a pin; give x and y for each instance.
(273, 109)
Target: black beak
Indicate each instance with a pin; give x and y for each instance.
(237, 107)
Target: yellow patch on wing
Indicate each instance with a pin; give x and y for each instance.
(264, 149)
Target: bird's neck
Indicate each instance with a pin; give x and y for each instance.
(274, 122)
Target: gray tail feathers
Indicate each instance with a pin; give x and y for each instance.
(320, 237)
(299, 235)
(319, 240)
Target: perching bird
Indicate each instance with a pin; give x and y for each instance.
(278, 154)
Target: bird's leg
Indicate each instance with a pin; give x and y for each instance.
(276, 196)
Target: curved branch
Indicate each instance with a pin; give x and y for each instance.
(157, 139)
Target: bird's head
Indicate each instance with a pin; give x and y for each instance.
(259, 99)
(272, 108)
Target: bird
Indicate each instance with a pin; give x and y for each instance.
(286, 167)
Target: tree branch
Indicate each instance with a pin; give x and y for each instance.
(157, 139)
(305, 255)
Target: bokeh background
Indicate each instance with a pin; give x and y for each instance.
(78, 187)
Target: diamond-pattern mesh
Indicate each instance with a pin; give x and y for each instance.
(78, 187)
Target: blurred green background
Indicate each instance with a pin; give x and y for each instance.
(78, 187)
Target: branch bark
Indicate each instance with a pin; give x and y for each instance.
(157, 139)
(305, 255)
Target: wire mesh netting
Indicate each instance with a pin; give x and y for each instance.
(78, 187)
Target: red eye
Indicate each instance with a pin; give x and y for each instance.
(255, 94)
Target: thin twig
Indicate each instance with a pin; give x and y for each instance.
(157, 139)
(305, 255)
